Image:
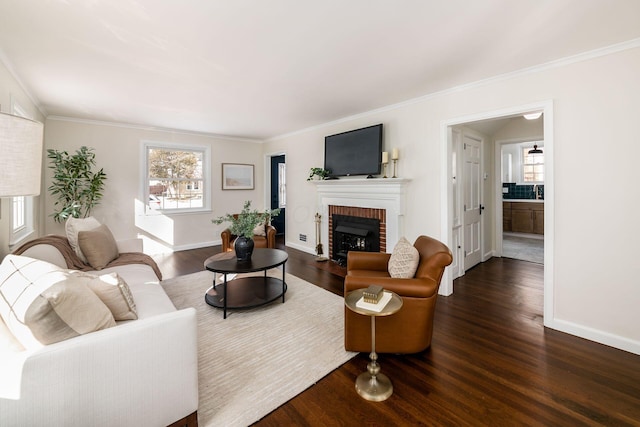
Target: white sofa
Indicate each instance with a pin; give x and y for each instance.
(139, 373)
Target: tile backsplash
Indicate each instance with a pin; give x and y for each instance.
(515, 191)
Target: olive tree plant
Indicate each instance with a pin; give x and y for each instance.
(76, 185)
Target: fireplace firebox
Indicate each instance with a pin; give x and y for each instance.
(352, 233)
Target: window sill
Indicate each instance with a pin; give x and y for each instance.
(20, 238)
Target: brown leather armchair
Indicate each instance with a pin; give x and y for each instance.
(266, 241)
(410, 329)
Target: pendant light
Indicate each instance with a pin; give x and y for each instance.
(535, 150)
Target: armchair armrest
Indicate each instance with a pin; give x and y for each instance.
(376, 261)
(226, 240)
(412, 288)
(271, 236)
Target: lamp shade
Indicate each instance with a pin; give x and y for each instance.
(20, 156)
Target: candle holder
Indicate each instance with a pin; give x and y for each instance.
(384, 170)
(395, 161)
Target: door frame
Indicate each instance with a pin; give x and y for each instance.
(446, 203)
(266, 196)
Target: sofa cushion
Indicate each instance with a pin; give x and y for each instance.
(404, 260)
(114, 292)
(43, 304)
(99, 246)
(73, 226)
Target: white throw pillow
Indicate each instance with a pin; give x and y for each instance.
(42, 304)
(73, 226)
(114, 292)
(259, 230)
(404, 260)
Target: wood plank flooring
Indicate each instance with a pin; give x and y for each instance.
(491, 361)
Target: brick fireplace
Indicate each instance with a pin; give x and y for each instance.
(378, 198)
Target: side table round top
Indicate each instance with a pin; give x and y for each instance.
(392, 306)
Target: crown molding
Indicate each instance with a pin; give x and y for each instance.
(150, 128)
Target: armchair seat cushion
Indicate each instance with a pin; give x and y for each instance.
(368, 273)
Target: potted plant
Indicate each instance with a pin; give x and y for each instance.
(242, 226)
(318, 172)
(76, 185)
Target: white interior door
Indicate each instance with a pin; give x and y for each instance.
(472, 201)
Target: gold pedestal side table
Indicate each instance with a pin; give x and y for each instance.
(373, 385)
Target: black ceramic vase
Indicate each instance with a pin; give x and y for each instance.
(244, 248)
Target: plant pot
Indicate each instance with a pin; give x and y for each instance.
(244, 248)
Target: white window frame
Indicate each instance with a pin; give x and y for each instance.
(206, 176)
(21, 215)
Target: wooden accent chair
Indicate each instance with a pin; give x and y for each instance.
(411, 328)
(266, 241)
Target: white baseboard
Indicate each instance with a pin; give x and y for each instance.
(616, 341)
(301, 248)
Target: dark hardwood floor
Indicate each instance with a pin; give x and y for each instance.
(491, 361)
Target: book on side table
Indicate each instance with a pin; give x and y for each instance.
(377, 307)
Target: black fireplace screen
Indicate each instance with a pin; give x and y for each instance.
(351, 233)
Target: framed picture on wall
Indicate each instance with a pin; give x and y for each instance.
(237, 176)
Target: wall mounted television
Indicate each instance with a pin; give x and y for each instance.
(356, 152)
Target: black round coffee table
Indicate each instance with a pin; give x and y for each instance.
(246, 292)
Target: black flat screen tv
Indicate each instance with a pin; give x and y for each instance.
(357, 152)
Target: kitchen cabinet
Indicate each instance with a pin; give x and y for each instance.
(527, 217)
(506, 216)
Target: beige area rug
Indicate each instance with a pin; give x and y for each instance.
(255, 360)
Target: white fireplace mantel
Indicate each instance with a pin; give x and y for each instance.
(378, 193)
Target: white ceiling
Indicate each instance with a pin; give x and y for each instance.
(258, 69)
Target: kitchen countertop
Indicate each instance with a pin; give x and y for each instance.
(524, 200)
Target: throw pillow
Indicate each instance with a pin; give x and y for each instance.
(114, 292)
(259, 230)
(73, 226)
(404, 260)
(42, 304)
(99, 246)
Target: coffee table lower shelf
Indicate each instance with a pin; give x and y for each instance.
(246, 292)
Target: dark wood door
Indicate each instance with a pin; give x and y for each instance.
(278, 191)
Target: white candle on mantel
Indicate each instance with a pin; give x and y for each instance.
(385, 157)
(394, 154)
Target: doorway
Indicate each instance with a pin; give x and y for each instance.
(447, 218)
(522, 178)
(278, 192)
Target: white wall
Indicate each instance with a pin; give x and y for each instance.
(596, 105)
(118, 151)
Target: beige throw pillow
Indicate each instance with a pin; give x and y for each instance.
(42, 304)
(114, 292)
(259, 230)
(73, 226)
(99, 246)
(404, 260)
